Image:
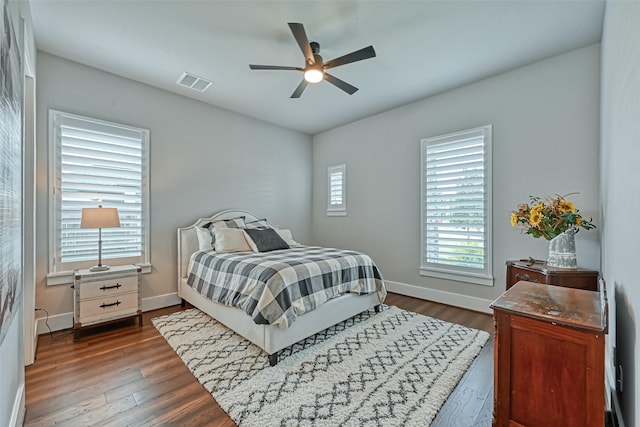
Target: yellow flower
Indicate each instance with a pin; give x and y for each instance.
(535, 218)
(566, 206)
(548, 217)
(536, 209)
(514, 219)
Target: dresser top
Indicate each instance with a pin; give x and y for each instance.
(541, 266)
(576, 308)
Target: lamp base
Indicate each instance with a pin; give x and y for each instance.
(99, 268)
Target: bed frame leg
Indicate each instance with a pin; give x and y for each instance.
(183, 303)
(378, 308)
(273, 359)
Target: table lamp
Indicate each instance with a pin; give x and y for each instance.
(99, 218)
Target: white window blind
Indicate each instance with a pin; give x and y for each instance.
(336, 190)
(456, 205)
(98, 163)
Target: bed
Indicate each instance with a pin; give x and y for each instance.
(269, 337)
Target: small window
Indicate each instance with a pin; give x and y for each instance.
(336, 190)
(93, 163)
(456, 206)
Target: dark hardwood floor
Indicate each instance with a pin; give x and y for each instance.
(123, 374)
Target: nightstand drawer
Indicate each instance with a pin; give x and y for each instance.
(105, 288)
(101, 309)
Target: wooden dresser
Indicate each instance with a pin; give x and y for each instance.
(549, 356)
(540, 272)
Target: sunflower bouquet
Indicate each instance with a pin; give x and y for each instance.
(549, 217)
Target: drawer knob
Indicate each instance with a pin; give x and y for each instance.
(105, 287)
(103, 305)
(526, 277)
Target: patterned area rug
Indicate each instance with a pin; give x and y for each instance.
(394, 368)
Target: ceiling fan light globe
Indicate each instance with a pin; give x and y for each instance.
(313, 75)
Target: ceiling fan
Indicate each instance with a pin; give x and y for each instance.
(315, 69)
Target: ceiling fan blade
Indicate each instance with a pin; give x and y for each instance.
(301, 37)
(358, 55)
(273, 67)
(340, 84)
(301, 87)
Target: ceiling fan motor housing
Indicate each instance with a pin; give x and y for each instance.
(315, 49)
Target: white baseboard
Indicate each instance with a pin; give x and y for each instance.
(160, 301)
(449, 298)
(65, 320)
(34, 345)
(17, 413)
(58, 322)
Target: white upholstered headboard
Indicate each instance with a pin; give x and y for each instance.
(188, 241)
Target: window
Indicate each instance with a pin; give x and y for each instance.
(93, 163)
(456, 206)
(336, 190)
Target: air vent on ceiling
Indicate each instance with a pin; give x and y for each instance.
(194, 82)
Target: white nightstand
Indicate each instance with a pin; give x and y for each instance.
(105, 296)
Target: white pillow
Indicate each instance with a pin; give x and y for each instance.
(205, 242)
(287, 237)
(230, 240)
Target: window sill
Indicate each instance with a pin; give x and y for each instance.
(476, 279)
(66, 277)
(336, 213)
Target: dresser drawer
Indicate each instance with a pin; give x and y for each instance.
(108, 307)
(517, 274)
(104, 288)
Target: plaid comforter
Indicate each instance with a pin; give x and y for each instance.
(276, 287)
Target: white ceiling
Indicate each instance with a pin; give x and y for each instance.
(423, 47)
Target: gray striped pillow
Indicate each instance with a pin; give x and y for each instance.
(237, 222)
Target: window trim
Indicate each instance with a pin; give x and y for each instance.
(335, 210)
(65, 276)
(456, 273)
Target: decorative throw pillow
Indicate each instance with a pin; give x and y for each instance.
(287, 237)
(265, 240)
(205, 239)
(230, 240)
(237, 222)
(260, 223)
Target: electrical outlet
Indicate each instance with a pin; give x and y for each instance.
(619, 379)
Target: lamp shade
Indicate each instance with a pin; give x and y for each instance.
(99, 218)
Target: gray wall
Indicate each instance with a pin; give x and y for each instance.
(620, 190)
(203, 159)
(545, 141)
